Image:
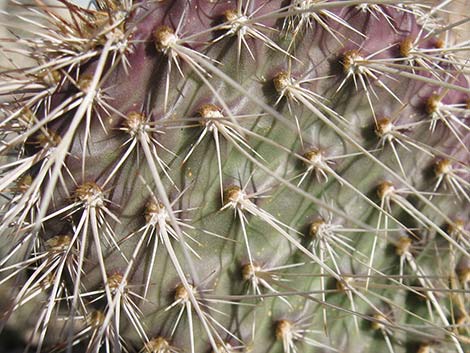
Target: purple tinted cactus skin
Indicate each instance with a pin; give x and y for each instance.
(127, 243)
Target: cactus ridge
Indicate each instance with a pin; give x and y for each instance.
(235, 176)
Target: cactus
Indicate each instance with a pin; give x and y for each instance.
(236, 176)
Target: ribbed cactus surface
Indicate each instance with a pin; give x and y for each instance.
(236, 176)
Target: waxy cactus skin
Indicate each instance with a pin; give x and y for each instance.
(236, 176)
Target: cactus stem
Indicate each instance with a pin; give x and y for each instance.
(107, 194)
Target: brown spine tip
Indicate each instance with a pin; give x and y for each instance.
(424, 348)
(462, 322)
(163, 37)
(464, 274)
(406, 46)
(157, 344)
(134, 122)
(350, 59)
(181, 293)
(48, 139)
(224, 348)
(249, 271)
(152, 209)
(230, 15)
(439, 43)
(403, 246)
(281, 81)
(342, 286)
(442, 167)
(88, 192)
(84, 82)
(232, 194)
(95, 319)
(26, 116)
(210, 111)
(456, 228)
(314, 156)
(23, 183)
(283, 329)
(59, 243)
(379, 324)
(315, 227)
(383, 127)
(48, 281)
(384, 189)
(49, 77)
(432, 104)
(115, 280)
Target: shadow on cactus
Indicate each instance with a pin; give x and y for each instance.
(236, 176)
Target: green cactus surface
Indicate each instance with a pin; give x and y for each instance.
(235, 176)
